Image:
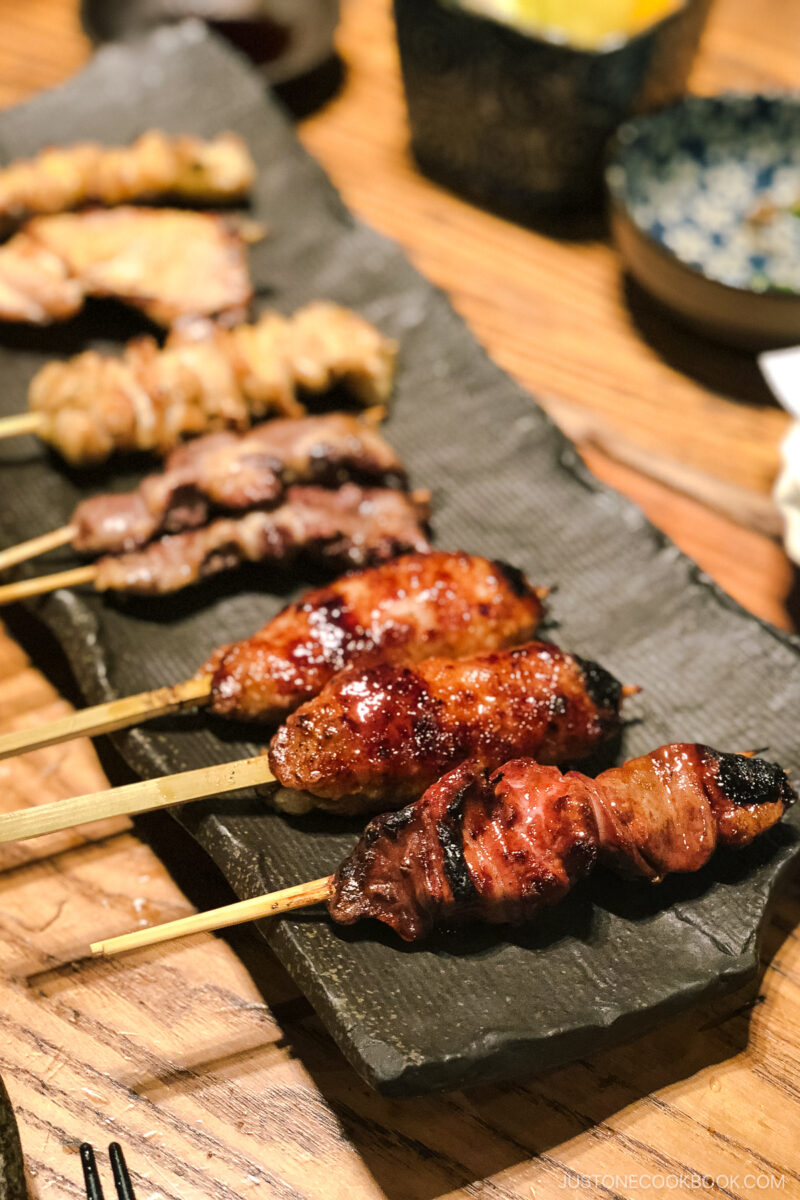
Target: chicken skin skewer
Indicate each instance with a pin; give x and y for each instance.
(498, 847)
(168, 263)
(155, 166)
(204, 379)
(408, 609)
(531, 699)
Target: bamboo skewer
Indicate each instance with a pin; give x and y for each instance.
(29, 422)
(36, 546)
(105, 718)
(41, 584)
(134, 798)
(269, 905)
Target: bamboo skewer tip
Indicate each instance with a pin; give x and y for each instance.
(272, 904)
(40, 585)
(36, 546)
(20, 423)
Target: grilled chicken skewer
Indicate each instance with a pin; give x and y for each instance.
(155, 166)
(352, 526)
(166, 262)
(205, 379)
(408, 609)
(225, 472)
(403, 726)
(499, 847)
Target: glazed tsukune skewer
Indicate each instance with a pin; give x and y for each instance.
(414, 607)
(499, 846)
(379, 736)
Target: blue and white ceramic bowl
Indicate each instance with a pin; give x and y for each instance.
(706, 213)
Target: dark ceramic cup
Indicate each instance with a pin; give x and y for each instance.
(519, 122)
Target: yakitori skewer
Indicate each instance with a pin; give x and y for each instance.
(156, 166)
(351, 526)
(500, 847)
(225, 473)
(168, 263)
(205, 379)
(377, 737)
(414, 607)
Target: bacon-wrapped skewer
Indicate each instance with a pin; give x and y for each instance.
(499, 847)
(376, 736)
(205, 379)
(166, 262)
(156, 166)
(352, 526)
(408, 609)
(225, 473)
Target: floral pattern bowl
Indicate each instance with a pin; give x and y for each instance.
(705, 210)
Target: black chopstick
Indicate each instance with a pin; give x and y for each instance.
(94, 1188)
(120, 1171)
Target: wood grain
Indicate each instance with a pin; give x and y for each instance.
(201, 1057)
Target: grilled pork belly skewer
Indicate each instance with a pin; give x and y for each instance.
(155, 166)
(352, 526)
(403, 726)
(166, 262)
(225, 472)
(499, 847)
(408, 609)
(205, 379)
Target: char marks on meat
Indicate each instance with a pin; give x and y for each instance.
(226, 472)
(352, 526)
(498, 847)
(376, 737)
(415, 607)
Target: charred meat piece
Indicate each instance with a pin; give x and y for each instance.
(415, 607)
(225, 472)
(498, 847)
(350, 527)
(155, 166)
(376, 737)
(205, 379)
(168, 263)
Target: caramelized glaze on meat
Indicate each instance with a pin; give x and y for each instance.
(412, 608)
(375, 737)
(230, 472)
(499, 847)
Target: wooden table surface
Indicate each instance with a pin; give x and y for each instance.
(202, 1058)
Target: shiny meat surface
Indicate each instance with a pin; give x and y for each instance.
(412, 608)
(166, 262)
(206, 379)
(350, 527)
(374, 738)
(155, 166)
(229, 472)
(499, 847)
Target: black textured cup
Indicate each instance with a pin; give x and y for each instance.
(519, 122)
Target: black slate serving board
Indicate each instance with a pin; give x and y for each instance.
(484, 1004)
